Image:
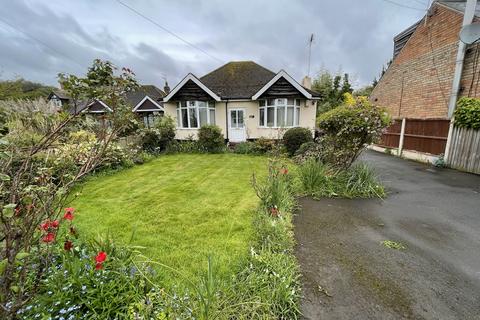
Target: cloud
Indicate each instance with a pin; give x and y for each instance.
(354, 35)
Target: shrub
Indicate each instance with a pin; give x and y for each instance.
(156, 139)
(246, 147)
(184, 146)
(295, 137)
(263, 145)
(320, 180)
(467, 114)
(210, 138)
(347, 130)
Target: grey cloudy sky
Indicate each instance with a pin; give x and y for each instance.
(352, 35)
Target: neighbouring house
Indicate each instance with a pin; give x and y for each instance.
(246, 100)
(417, 84)
(146, 102)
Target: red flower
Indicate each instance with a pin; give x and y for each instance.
(98, 266)
(69, 214)
(68, 245)
(44, 226)
(49, 237)
(101, 257)
(284, 171)
(54, 224)
(17, 211)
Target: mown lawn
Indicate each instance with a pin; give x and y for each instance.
(181, 208)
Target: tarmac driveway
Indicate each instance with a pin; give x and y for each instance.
(349, 274)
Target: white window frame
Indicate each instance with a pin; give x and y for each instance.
(276, 104)
(196, 106)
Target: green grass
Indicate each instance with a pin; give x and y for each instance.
(181, 208)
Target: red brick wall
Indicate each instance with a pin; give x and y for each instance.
(425, 67)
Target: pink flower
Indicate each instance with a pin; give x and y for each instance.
(54, 224)
(68, 214)
(274, 211)
(44, 226)
(49, 237)
(98, 266)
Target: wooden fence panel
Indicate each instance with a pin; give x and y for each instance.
(423, 135)
(464, 152)
(391, 138)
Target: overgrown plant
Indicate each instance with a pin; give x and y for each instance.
(347, 130)
(30, 191)
(467, 113)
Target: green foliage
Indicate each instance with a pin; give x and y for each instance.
(331, 88)
(21, 89)
(246, 147)
(275, 193)
(156, 139)
(72, 287)
(210, 139)
(320, 180)
(467, 113)
(347, 130)
(364, 91)
(295, 137)
(393, 245)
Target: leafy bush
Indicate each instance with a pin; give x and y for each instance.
(295, 137)
(210, 138)
(347, 130)
(184, 146)
(467, 114)
(263, 145)
(320, 180)
(246, 147)
(156, 139)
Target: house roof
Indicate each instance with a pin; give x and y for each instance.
(237, 79)
(59, 93)
(401, 39)
(459, 5)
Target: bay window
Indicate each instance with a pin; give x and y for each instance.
(281, 112)
(194, 114)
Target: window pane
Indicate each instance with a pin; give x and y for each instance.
(184, 118)
(191, 103)
(290, 111)
(262, 117)
(290, 102)
(179, 117)
(280, 116)
(233, 118)
(270, 102)
(281, 102)
(212, 116)
(211, 104)
(240, 118)
(297, 116)
(297, 102)
(203, 116)
(261, 103)
(193, 117)
(270, 116)
(201, 104)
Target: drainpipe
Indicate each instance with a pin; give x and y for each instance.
(467, 19)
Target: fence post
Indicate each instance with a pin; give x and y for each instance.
(402, 135)
(449, 141)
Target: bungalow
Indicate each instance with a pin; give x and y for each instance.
(246, 100)
(146, 102)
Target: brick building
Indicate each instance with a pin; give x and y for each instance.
(418, 82)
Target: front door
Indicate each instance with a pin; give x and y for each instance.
(236, 125)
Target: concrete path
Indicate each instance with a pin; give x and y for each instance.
(349, 274)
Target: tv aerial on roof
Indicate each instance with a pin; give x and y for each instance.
(470, 33)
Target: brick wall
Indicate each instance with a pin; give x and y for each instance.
(418, 82)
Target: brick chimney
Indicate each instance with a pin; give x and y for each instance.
(166, 88)
(307, 82)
